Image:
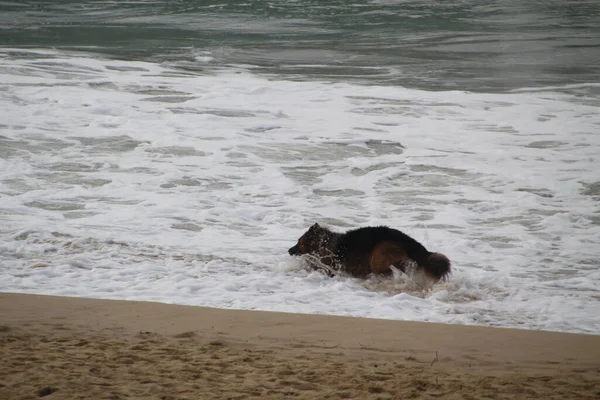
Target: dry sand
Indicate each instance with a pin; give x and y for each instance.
(73, 348)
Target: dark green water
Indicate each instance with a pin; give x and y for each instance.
(433, 45)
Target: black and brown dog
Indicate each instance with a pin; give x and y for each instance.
(370, 250)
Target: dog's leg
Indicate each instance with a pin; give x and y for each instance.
(386, 254)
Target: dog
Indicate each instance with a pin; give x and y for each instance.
(370, 250)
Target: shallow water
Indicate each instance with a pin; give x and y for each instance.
(174, 151)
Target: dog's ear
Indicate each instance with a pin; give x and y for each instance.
(315, 227)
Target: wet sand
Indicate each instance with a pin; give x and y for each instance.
(75, 348)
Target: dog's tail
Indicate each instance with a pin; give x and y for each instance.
(437, 266)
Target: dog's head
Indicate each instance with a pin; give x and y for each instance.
(310, 242)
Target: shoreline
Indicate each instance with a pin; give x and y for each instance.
(70, 347)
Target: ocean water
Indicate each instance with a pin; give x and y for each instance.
(173, 151)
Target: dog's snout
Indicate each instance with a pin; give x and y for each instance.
(294, 250)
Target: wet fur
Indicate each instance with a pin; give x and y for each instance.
(370, 250)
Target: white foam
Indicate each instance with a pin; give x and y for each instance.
(133, 180)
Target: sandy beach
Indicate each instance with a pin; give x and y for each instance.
(75, 348)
